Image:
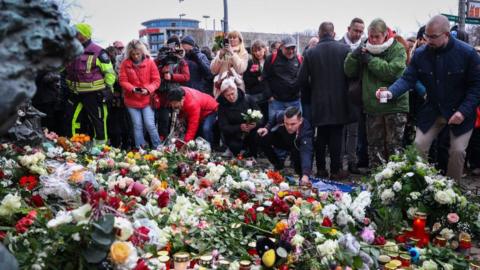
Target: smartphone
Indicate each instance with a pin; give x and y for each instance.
(225, 41)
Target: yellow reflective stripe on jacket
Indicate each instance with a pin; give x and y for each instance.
(86, 87)
(108, 72)
(89, 64)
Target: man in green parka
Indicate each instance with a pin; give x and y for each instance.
(379, 63)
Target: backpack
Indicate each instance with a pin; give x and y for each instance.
(275, 54)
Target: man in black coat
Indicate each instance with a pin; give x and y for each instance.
(198, 65)
(322, 72)
(290, 132)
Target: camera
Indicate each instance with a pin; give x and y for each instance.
(169, 55)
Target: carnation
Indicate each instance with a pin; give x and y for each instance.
(453, 218)
(329, 211)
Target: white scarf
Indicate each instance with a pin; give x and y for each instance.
(352, 45)
(378, 49)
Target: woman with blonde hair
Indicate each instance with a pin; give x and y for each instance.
(139, 78)
(254, 83)
(233, 58)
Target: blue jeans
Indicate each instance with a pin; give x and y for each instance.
(141, 117)
(275, 106)
(206, 128)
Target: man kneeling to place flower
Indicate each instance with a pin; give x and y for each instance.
(292, 133)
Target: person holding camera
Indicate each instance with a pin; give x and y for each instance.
(139, 78)
(174, 71)
(233, 55)
(199, 66)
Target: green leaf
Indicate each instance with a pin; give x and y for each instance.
(102, 238)
(105, 223)
(93, 255)
(357, 262)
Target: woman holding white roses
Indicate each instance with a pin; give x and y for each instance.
(254, 84)
(238, 118)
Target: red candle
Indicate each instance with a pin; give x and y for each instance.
(419, 222)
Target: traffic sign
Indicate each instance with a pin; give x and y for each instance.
(455, 19)
(451, 18)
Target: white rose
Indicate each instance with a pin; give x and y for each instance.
(125, 227)
(428, 180)
(447, 233)
(387, 173)
(10, 204)
(387, 195)
(244, 175)
(397, 186)
(63, 217)
(135, 169)
(80, 214)
(443, 197)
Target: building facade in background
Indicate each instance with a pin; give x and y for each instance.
(157, 32)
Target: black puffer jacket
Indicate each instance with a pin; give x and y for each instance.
(254, 86)
(281, 77)
(230, 114)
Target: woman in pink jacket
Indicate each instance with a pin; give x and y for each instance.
(139, 78)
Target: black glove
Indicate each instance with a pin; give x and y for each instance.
(357, 52)
(365, 58)
(107, 95)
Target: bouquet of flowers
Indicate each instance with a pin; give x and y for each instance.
(252, 116)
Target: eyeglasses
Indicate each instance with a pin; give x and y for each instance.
(290, 48)
(431, 37)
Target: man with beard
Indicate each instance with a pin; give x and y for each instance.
(450, 71)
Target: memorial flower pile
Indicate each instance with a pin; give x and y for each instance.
(69, 205)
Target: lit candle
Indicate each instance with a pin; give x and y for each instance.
(419, 222)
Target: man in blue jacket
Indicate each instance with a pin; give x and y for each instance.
(198, 64)
(450, 71)
(290, 132)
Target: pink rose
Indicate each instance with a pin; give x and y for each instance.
(453, 218)
(254, 68)
(337, 194)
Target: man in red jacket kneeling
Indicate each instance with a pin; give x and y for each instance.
(199, 110)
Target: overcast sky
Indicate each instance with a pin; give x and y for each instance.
(121, 19)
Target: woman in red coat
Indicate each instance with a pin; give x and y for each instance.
(139, 78)
(198, 109)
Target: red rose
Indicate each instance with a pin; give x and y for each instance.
(37, 200)
(140, 236)
(141, 265)
(243, 196)
(163, 199)
(327, 222)
(24, 223)
(379, 241)
(123, 172)
(205, 183)
(250, 216)
(28, 182)
(2, 174)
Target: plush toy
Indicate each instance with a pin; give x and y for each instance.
(272, 253)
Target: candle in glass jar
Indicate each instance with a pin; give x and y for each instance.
(165, 260)
(419, 222)
(405, 259)
(181, 260)
(245, 265)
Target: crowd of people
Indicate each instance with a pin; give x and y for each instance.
(358, 99)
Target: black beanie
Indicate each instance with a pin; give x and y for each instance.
(188, 40)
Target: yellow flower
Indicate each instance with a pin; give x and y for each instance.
(119, 252)
(130, 155)
(317, 207)
(137, 156)
(106, 148)
(333, 232)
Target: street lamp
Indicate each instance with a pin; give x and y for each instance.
(181, 15)
(205, 31)
(206, 17)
